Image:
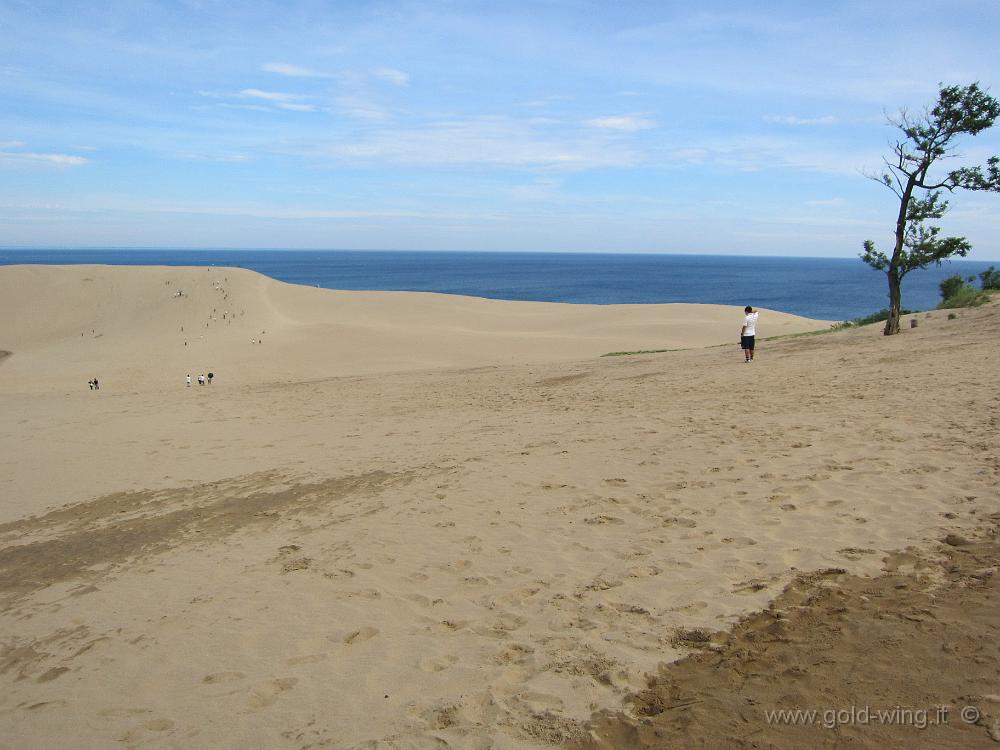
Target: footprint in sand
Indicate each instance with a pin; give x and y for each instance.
(342, 573)
(539, 702)
(514, 653)
(153, 725)
(219, 677)
(120, 712)
(678, 521)
(307, 659)
(437, 663)
(360, 635)
(52, 674)
(643, 571)
(740, 541)
(267, 693)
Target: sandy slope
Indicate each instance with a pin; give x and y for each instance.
(909, 658)
(128, 327)
(472, 557)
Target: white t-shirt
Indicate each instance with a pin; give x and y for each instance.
(751, 324)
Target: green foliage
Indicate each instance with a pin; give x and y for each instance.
(965, 296)
(955, 292)
(950, 286)
(878, 317)
(929, 138)
(990, 278)
(874, 258)
(921, 244)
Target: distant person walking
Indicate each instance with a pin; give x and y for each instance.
(748, 333)
(189, 381)
(201, 380)
(210, 376)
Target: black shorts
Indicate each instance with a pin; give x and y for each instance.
(746, 342)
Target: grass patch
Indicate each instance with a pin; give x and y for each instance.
(640, 351)
(966, 296)
(877, 317)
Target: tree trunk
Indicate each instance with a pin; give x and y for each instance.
(892, 323)
(894, 271)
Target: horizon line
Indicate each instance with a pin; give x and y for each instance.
(153, 248)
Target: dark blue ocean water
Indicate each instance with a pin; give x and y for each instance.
(826, 288)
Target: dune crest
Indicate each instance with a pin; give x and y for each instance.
(138, 327)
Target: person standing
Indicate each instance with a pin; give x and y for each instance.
(189, 380)
(748, 333)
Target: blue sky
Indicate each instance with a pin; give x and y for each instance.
(716, 127)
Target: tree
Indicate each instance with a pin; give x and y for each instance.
(928, 139)
(990, 278)
(950, 286)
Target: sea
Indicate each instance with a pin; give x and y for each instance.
(822, 288)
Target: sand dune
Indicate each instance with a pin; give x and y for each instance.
(149, 327)
(493, 554)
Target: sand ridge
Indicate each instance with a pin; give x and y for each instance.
(148, 327)
(468, 557)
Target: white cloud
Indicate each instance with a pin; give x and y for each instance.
(139, 206)
(393, 76)
(541, 190)
(627, 123)
(298, 107)
(271, 96)
(251, 107)
(757, 153)
(295, 71)
(276, 99)
(493, 141)
(61, 160)
(360, 108)
(222, 158)
(546, 101)
(792, 120)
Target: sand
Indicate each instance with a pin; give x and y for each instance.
(137, 329)
(810, 671)
(412, 520)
